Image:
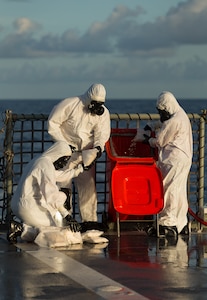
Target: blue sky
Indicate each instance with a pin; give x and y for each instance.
(53, 49)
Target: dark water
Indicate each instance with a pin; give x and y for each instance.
(114, 106)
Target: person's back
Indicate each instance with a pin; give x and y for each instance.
(37, 197)
(23, 188)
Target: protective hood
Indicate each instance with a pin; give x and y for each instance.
(96, 92)
(57, 150)
(167, 101)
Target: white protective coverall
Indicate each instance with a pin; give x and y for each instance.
(174, 141)
(71, 121)
(37, 200)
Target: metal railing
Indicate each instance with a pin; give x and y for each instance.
(26, 136)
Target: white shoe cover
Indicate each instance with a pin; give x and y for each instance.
(73, 237)
(55, 237)
(94, 237)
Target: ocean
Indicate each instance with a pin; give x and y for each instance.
(44, 106)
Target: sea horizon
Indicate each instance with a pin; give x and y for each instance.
(44, 106)
(107, 99)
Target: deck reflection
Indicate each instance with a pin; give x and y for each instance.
(151, 267)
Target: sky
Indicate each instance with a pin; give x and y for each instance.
(53, 49)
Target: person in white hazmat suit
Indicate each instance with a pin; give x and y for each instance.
(38, 201)
(84, 123)
(175, 147)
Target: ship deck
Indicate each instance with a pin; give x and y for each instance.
(133, 266)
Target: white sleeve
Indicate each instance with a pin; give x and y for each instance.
(154, 125)
(153, 142)
(57, 117)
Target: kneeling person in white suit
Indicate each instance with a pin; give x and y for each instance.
(37, 200)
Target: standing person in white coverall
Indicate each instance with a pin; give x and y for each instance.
(175, 143)
(84, 123)
(38, 201)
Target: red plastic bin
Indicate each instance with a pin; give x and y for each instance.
(136, 187)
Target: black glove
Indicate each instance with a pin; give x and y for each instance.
(146, 140)
(88, 167)
(147, 127)
(72, 148)
(67, 191)
(99, 153)
(71, 223)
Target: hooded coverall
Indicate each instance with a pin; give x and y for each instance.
(37, 198)
(72, 121)
(174, 141)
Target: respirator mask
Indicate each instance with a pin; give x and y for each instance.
(96, 108)
(61, 162)
(164, 115)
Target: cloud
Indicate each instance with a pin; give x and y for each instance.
(119, 43)
(120, 34)
(24, 26)
(183, 25)
(21, 43)
(28, 73)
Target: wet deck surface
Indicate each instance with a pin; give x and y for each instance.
(132, 267)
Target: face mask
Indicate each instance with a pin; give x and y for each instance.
(164, 115)
(96, 108)
(61, 162)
